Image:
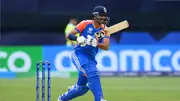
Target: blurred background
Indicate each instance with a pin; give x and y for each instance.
(144, 59)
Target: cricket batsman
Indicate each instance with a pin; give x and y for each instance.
(92, 36)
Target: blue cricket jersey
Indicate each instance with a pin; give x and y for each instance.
(88, 52)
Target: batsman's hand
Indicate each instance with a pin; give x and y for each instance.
(102, 33)
(81, 40)
(94, 42)
(91, 41)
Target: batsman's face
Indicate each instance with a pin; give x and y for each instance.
(101, 19)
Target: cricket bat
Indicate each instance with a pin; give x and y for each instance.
(118, 27)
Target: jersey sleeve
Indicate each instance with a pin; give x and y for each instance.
(81, 26)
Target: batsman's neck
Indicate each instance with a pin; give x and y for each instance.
(96, 25)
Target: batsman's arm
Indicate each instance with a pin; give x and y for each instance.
(71, 35)
(105, 45)
(79, 28)
(106, 42)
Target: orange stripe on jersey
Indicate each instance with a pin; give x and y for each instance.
(82, 25)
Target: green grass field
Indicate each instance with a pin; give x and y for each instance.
(115, 89)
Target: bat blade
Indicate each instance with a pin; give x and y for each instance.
(118, 27)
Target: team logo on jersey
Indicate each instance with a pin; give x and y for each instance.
(90, 30)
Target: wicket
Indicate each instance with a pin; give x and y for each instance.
(44, 63)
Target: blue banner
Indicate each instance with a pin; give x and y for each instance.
(59, 57)
(121, 58)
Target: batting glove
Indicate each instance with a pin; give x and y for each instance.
(81, 40)
(89, 40)
(100, 34)
(94, 42)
